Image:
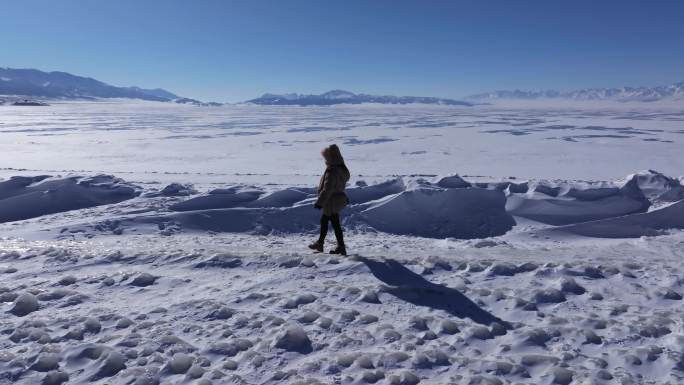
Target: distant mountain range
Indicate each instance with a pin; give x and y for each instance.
(32, 83)
(345, 97)
(62, 85)
(624, 94)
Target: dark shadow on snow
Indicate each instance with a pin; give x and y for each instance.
(411, 287)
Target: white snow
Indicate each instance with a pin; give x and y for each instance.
(143, 243)
(147, 141)
(29, 197)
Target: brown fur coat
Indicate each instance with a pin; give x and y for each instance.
(331, 196)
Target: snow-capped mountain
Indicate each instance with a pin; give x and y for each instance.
(625, 94)
(346, 97)
(195, 102)
(35, 83)
(158, 92)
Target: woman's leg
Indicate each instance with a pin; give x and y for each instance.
(324, 228)
(338, 229)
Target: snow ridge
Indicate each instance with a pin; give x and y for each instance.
(444, 207)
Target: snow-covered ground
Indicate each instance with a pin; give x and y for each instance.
(168, 245)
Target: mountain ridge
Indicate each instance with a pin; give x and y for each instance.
(28, 82)
(33, 83)
(674, 91)
(338, 96)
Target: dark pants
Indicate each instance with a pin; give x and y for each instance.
(335, 219)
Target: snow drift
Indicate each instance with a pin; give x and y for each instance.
(447, 207)
(436, 213)
(391, 207)
(561, 205)
(569, 203)
(632, 226)
(219, 198)
(30, 197)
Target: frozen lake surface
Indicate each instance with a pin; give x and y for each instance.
(552, 142)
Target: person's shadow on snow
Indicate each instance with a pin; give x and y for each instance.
(411, 287)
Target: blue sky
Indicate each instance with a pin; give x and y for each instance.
(234, 50)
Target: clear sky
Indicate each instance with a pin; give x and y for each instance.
(234, 50)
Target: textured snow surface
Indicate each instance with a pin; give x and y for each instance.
(252, 309)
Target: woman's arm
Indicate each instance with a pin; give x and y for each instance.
(325, 192)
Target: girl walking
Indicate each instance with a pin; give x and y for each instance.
(331, 198)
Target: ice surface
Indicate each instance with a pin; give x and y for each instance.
(175, 143)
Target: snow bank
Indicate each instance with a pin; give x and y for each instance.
(423, 210)
(566, 204)
(453, 181)
(238, 220)
(632, 226)
(437, 213)
(561, 212)
(445, 207)
(657, 187)
(173, 190)
(30, 197)
(365, 194)
(282, 198)
(219, 198)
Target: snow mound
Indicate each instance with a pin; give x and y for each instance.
(282, 198)
(30, 197)
(632, 226)
(364, 194)
(435, 213)
(293, 339)
(453, 181)
(95, 361)
(24, 304)
(582, 202)
(658, 187)
(173, 190)
(424, 211)
(445, 207)
(220, 198)
(239, 220)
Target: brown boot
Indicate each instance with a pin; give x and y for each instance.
(339, 250)
(317, 246)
